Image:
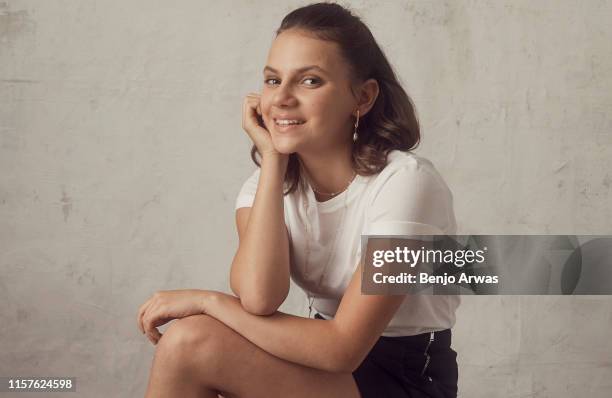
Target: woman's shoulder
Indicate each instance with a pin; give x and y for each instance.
(408, 174)
(409, 191)
(407, 162)
(397, 157)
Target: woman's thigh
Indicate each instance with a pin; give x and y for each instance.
(222, 359)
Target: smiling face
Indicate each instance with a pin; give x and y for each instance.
(319, 96)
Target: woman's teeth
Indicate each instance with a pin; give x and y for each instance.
(288, 122)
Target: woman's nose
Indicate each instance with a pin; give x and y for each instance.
(283, 96)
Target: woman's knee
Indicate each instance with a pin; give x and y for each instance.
(196, 339)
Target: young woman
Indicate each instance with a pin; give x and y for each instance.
(332, 132)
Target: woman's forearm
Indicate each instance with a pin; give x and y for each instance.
(260, 269)
(310, 342)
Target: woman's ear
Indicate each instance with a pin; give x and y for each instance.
(368, 92)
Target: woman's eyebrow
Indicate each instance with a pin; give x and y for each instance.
(299, 70)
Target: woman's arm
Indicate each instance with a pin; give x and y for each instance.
(260, 270)
(337, 345)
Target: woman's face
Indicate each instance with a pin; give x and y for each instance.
(320, 96)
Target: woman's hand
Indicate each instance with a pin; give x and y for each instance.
(260, 136)
(167, 305)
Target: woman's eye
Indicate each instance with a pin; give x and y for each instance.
(313, 79)
(316, 81)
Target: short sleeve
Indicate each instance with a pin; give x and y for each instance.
(246, 196)
(413, 200)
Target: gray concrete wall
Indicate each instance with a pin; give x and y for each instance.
(121, 153)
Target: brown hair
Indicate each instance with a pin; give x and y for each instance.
(392, 122)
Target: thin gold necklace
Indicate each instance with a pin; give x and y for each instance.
(334, 193)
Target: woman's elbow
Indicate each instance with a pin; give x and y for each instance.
(353, 366)
(349, 366)
(343, 362)
(341, 367)
(259, 306)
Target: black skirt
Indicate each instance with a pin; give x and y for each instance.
(418, 366)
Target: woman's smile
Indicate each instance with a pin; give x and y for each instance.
(284, 125)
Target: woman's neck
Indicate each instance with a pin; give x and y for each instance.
(329, 172)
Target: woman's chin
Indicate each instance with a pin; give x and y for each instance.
(286, 147)
(286, 151)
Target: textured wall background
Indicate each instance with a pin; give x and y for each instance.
(121, 153)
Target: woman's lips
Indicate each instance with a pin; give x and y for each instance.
(288, 127)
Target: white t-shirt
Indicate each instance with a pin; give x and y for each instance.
(408, 197)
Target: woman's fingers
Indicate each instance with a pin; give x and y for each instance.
(141, 312)
(250, 120)
(146, 321)
(154, 317)
(256, 99)
(163, 307)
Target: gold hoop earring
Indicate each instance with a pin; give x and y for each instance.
(355, 135)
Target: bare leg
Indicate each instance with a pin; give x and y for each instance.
(169, 377)
(199, 355)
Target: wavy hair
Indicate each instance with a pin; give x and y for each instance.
(392, 122)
